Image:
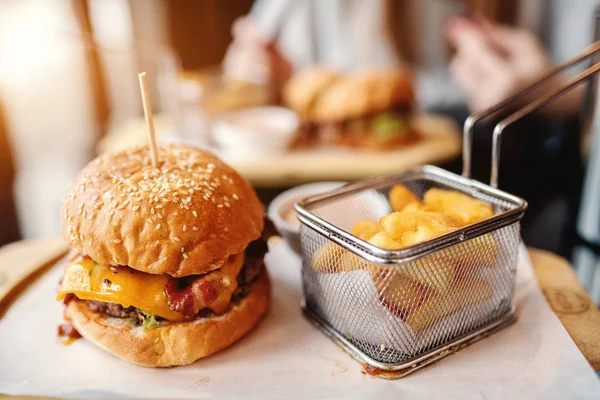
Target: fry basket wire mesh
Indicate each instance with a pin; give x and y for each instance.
(397, 305)
(401, 309)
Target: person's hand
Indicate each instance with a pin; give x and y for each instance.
(492, 62)
(254, 57)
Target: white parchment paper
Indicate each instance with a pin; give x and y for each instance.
(286, 357)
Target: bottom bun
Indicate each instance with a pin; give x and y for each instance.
(172, 343)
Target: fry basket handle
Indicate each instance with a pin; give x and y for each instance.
(529, 108)
(476, 117)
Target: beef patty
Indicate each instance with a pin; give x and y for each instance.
(114, 310)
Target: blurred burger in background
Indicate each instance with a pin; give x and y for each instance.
(367, 109)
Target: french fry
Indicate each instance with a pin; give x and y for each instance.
(385, 242)
(401, 196)
(487, 248)
(435, 271)
(463, 208)
(401, 229)
(400, 293)
(410, 228)
(327, 258)
(440, 305)
(366, 229)
(412, 207)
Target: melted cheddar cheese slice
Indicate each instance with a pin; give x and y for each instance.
(127, 287)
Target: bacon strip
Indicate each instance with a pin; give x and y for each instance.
(190, 295)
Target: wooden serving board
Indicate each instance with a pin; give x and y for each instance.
(570, 302)
(440, 142)
(24, 261)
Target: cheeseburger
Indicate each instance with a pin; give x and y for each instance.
(369, 109)
(167, 263)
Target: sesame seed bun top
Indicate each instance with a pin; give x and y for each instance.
(186, 217)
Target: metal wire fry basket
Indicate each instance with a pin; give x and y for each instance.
(393, 308)
(398, 310)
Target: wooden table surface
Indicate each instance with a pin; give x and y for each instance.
(22, 262)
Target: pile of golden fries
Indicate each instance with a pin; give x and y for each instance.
(415, 221)
(420, 292)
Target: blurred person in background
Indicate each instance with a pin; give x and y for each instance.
(282, 35)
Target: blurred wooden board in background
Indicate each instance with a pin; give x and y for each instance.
(440, 142)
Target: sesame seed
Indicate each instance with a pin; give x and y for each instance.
(195, 228)
(152, 211)
(81, 237)
(176, 239)
(117, 241)
(159, 206)
(185, 255)
(184, 227)
(135, 208)
(235, 196)
(195, 213)
(159, 215)
(158, 227)
(220, 206)
(227, 204)
(183, 249)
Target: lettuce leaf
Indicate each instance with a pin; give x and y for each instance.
(388, 125)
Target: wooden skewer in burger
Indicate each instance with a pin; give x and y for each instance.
(167, 261)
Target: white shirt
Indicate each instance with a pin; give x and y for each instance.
(344, 34)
